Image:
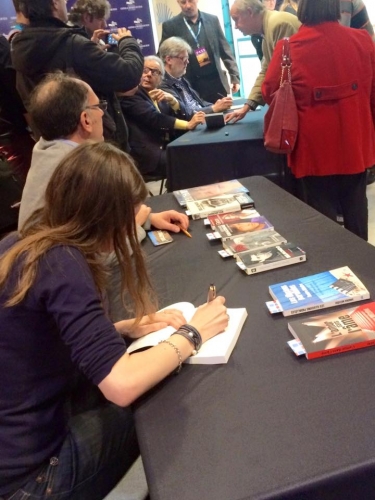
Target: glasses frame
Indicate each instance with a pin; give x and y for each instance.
(183, 59)
(153, 72)
(102, 105)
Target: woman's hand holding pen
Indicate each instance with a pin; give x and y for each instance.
(211, 318)
(168, 220)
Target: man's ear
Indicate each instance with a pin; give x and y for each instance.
(85, 121)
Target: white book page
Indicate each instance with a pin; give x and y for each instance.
(154, 338)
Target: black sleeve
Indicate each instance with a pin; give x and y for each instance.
(108, 71)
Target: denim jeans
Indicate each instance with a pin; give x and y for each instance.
(100, 447)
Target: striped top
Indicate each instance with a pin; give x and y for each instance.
(354, 14)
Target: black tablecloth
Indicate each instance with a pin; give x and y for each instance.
(205, 156)
(267, 425)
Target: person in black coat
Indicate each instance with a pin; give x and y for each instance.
(48, 44)
(154, 118)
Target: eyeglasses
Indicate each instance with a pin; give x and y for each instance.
(103, 105)
(152, 71)
(183, 59)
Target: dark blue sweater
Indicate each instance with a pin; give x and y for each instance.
(59, 327)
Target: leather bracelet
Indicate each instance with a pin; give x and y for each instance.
(193, 334)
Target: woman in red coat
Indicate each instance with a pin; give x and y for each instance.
(333, 78)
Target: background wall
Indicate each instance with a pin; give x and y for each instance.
(165, 9)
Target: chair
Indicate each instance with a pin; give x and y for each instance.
(154, 178)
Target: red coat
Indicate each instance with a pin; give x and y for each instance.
(333, 78)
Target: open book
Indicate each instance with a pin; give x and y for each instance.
(215, 351)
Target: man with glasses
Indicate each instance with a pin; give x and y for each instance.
(252, 18)
(48, 44)
(154, 118)
(175, 53)
(203, 33)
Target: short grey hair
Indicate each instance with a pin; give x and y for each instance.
(173, 46)
(255, 5)
(158, 61)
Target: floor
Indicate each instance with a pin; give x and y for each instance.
(134, 486)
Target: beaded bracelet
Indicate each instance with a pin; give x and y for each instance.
(177, 351)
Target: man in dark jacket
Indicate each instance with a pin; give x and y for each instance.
(203, 33)
(48, 44)
(154, 118)
(175, 52)
(15, 140)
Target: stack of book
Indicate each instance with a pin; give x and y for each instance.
(246, 235)
(228, 196)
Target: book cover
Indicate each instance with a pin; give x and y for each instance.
(265, 259)
(211, 190)
(231, 217)
(336, 332)
(242, 228)
(215, 351)
(251, 242)
(159, 237)
(330, 288)
(219, 204)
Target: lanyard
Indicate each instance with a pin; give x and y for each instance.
(195, 36)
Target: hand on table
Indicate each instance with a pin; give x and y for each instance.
(151, 323)
(196, 120)
(222, 104)
(211, 318)
(165, 220)
(237, 115)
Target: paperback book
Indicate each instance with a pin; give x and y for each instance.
(252, 242)
(215, 351)
(231, 217)
(265, 259)
(219, 204)
(242, 228)
(335, 332)
(330, 288)
(209, 191)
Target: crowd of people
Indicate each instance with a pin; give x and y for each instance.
(89, 121)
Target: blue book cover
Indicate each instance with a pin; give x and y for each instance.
(330, 288)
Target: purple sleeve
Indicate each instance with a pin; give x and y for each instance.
(66, 288)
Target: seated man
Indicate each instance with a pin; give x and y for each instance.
(62, 129)
(174, 53)
(152, 119)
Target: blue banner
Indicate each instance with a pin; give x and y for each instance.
(132, 14)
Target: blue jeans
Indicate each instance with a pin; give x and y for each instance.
(100, 447)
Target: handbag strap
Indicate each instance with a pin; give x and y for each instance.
(286, 62)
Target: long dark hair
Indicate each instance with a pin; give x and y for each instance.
(89, 205)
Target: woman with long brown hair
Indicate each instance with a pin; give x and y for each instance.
(53, 324)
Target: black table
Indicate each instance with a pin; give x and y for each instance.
(204, 156)
(267, 425)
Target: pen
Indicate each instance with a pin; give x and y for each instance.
(183, 230)
(211, 293)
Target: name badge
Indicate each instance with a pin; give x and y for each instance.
(202, 56)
